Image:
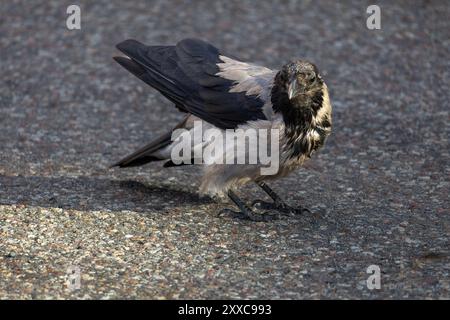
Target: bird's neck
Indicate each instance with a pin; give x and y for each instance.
(298, 114)
(300, 119)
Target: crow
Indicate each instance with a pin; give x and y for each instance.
(225, 93)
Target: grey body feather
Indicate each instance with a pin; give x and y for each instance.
(246, 92)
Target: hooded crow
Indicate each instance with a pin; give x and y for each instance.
(225, 93)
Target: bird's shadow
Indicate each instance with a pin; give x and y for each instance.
(94, 193)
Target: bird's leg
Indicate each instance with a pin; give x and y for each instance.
(277, 204)
(245, 212)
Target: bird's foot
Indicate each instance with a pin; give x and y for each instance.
(279, 206)
(248, 214)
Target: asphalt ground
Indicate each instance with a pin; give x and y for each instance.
(379, 190)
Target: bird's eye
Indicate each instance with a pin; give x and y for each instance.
(309, 77)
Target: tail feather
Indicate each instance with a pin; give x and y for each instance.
(145, 154)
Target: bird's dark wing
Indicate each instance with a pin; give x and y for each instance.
(199, 80)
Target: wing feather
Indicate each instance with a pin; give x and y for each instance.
(199, 80)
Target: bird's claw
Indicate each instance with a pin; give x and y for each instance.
(281, 207)
(249, 215)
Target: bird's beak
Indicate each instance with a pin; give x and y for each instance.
(292, 88)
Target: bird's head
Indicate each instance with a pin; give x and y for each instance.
(300, 81)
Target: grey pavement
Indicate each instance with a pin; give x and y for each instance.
(379, 190)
